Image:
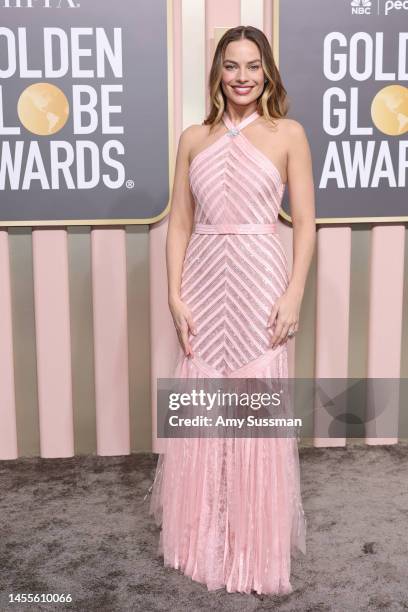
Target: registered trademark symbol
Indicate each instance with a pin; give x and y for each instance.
(130, 183)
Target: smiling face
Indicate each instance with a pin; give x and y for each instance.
(242, 72)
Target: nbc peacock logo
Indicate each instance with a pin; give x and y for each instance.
(361, 7)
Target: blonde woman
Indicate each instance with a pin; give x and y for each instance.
(230, 510)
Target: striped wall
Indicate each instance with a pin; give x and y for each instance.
(84, 324)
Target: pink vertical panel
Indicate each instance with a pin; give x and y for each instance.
(163, 335)
(8, 429)
(225, 14)
(53, 342)
(385, 318)
(332, 314)
(267, 16)
(109, 293)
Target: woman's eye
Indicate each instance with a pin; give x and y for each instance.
(251, 67)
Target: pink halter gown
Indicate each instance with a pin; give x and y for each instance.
(230, 510)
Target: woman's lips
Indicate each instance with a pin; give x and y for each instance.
(242, 91)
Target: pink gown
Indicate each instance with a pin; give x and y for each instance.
(230, 509)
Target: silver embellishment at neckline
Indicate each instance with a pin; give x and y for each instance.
(233, 131)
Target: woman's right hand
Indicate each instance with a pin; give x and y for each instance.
(183, 322)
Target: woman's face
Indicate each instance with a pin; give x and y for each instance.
(242, 72)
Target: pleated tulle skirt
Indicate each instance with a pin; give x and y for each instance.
(230, 509)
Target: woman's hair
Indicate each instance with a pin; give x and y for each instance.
(273, 100)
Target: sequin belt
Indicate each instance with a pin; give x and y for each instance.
(235, 228)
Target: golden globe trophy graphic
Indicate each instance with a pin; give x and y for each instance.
(43, 109)
(389, 110)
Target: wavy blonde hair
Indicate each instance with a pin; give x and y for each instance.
(273, 102)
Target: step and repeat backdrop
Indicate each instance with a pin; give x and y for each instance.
(83, 112)
(94, 95)
(344, 64)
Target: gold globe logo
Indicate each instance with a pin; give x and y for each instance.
(389, 110)
(43, 109)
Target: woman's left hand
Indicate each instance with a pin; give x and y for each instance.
(285, 316)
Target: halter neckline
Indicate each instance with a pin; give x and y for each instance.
(236, 128)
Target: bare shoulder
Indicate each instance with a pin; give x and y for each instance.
(196, 137)
(194, 132)
(292, 127)
(287, 128)
(192, 136)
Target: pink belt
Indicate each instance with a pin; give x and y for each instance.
(235, 228)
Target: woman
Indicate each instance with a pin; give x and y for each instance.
(230, 509)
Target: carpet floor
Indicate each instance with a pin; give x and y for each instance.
(80, 526)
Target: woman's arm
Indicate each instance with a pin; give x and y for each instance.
(180, 218)
(302, 205)
(179, 230)
(286, 310)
